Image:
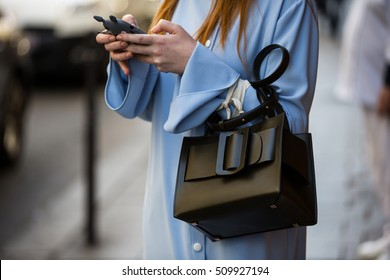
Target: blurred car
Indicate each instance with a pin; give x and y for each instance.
(14, 88)
(62, 34)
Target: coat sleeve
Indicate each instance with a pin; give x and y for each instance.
(130, 95)
(297, 30)
(207, 78)
(199, 92)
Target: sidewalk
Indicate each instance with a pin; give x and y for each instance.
(348, 212)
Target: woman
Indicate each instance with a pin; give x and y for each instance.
(364, 78)
(179, 74)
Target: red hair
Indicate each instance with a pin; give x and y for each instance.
(221, 12)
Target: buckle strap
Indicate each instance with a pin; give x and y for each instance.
(238, 149)
(231, 156)
(266, 107)
(265, 93)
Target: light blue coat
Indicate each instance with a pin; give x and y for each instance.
(178, 106)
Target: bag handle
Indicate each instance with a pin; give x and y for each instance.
(258, 83)
(265, 93)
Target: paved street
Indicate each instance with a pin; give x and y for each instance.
(43, 199)
(348, 212)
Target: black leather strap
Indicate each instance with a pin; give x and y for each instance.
(264, 109)
(265, 92)
(258, 83)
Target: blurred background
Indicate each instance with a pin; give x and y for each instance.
(72, 172)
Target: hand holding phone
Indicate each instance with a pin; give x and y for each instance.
(116, 26)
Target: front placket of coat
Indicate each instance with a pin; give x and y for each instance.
(198, 239)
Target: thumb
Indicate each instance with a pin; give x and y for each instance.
(164, 26)
(130, 19)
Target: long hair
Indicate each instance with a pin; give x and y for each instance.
(222, 12)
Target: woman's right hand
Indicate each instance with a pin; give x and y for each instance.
(117, 49)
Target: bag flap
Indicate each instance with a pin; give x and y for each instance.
(204, 159)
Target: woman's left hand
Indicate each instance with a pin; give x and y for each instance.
(169, 47)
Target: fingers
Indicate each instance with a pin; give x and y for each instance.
(121, 55)
(105, 38)
(124, 67)
(168, 48)
(117, 48)
(165, 26)
(130, 19)
(110, 43)
(139, 39)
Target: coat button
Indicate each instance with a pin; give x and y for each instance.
(208, 43)
(197, 247)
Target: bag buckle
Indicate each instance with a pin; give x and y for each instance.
(231, 154)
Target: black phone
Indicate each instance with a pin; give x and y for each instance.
(116, 26)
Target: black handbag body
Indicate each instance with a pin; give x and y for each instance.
(247, 180)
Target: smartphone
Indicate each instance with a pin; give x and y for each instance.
(116, 26)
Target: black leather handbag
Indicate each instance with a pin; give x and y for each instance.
(251, 178)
